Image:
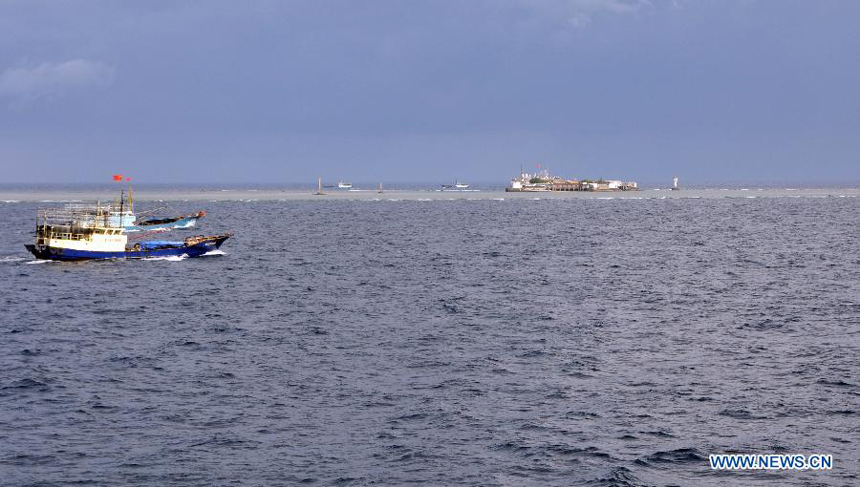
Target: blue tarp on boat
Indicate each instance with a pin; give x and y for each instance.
(160, 244)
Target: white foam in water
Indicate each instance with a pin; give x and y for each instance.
(40, 261)
(10, 258)
(169, 258)
(214, 252)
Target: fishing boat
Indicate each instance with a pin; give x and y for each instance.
(122, 215)
(152, 224)
(456, 185)
(343, 185)
(89, 233)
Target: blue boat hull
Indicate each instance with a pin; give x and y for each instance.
(196, 250)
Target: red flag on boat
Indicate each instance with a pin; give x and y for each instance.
(117, 177)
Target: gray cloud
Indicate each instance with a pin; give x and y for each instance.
(580, 13)
(55, 79)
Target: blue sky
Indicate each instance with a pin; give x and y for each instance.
(378, 90)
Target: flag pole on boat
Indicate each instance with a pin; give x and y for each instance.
(121, 198)
(130, 196)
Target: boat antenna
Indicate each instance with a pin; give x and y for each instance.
(130, 196)
(121, 201)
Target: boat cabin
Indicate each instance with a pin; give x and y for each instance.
(80, 228)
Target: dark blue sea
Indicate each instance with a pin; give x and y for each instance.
(483, 343)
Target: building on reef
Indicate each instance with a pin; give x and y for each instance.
(542, 180)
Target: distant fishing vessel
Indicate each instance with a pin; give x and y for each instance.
(89, 233)
(128, 220)
(456, 185)
(122, 215)
(184, 221)
(343, 185)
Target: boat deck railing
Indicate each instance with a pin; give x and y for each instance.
(79, 215)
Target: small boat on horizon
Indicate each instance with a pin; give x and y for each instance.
(456, 185)
(343, 185)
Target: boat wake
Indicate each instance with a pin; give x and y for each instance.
(10, 259)
(213, 253)
(40, 261)
(170, 258)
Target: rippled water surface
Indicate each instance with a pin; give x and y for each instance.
(516, 342)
